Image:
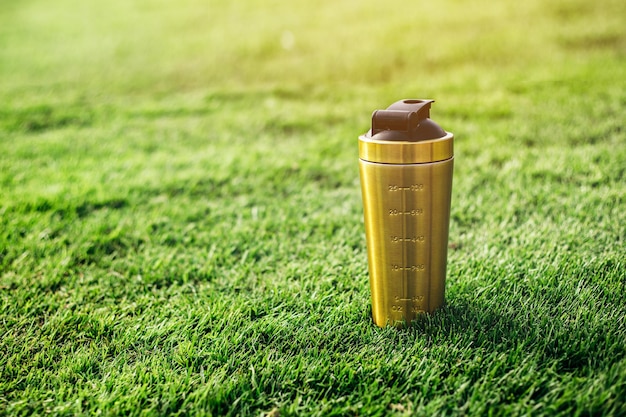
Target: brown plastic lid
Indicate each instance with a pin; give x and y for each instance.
(407, 121)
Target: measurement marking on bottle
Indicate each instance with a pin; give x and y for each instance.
(411, 239)
(412, 187)
(414, 299)
(409, 268)
(413, 212)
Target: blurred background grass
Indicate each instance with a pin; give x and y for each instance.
(156, 47)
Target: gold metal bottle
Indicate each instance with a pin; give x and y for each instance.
(405, 164)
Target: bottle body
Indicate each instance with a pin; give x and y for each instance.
(405, 164)
(407, 213)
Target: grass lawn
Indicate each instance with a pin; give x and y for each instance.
(181, 225)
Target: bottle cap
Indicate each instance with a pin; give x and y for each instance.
(405, 120)
(404, 133)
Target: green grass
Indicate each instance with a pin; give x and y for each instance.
(181, 221)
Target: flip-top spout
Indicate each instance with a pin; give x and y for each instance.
(405, 120)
